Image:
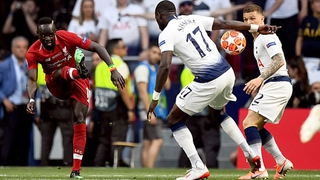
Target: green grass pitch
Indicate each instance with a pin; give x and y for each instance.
(43, 173)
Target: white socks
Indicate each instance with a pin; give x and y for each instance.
(184, 138)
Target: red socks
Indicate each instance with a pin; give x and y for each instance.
(79, 142)
(69, 73)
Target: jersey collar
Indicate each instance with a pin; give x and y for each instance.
(173, 17)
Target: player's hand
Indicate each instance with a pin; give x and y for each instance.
(253, 85)
(117, 79)
(30, 107)
(151, 109)
(268, 29)
(153, 119)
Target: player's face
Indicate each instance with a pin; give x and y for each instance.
(160, 22)
(46, 33)
(253, 18)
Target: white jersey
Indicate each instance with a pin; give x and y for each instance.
(186, 36)
(265, 47)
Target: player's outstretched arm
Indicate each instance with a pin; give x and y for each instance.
(162, 76)
(32, 89)
(116, 77)
(238, 25)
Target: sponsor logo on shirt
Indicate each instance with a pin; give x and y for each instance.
(271, 44)
(56, 55)
(162, 43)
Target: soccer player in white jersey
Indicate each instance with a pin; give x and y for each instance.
(274, 91)
(186, 37)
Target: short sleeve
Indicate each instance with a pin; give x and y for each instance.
(31, 61)
(206, 21)
(74, 39)
(166, 41)
(272, 44)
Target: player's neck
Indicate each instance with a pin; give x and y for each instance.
(255, 35)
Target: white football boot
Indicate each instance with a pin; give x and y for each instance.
(196, 173)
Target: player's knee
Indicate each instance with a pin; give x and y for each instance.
(171, 120)
(248, 122)
(57, 76)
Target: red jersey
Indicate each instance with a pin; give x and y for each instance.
(62, 55)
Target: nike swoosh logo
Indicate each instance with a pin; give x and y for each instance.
(255, 176)
(280, 172)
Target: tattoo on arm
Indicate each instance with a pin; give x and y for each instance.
(277, 63)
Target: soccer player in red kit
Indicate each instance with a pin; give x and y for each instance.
(66, 76)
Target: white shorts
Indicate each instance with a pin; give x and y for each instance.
(271, 100)
(217, 93)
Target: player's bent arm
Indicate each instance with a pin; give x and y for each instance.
(225, 24)
(238, 25)
(32, 82)
(276, 64)
(163, 71)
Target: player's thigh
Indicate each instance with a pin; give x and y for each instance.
(80, 91)
(195, 97)
(223, 91)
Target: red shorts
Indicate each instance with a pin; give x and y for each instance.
(78, 90)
